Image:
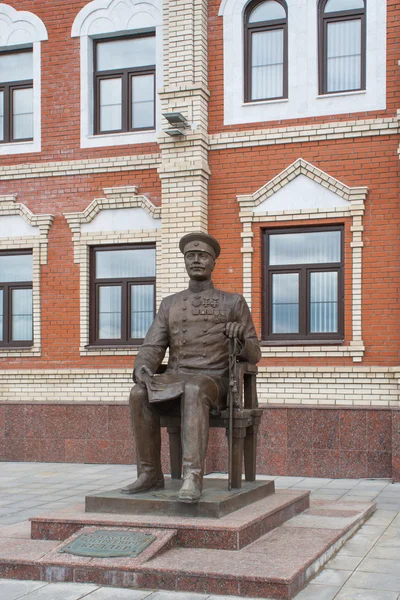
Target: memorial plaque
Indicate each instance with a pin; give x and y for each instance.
(109, 544)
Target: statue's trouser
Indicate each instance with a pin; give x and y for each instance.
(200, 394)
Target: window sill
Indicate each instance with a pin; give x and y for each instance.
(118, 139)
(272, 343)
(109, 350)
(338, 94)
(262, 102)
(19, 147)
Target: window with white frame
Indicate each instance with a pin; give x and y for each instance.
(342, 45)
(303, 284)
(21, 34)
(16, 309)
(16, 96)
(123, 282)
(125, 83)
(265, 50)
(121, 69)
(334, 62)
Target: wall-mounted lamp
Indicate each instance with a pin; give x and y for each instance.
(178, 123)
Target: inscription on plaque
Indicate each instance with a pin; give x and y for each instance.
(109, 544)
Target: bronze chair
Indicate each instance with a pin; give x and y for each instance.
(246, 421)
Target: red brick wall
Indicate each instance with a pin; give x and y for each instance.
(371, 162)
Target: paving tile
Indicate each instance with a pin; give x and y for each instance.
(106, 593)
(380, 565)
(344, 563)
(332, 577)
(388, 552)
(11, 590)
(375, 581)
(348, 593)
(318, 592)
(62, 591)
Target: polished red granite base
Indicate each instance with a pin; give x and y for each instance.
(268, 550)
(302, 441)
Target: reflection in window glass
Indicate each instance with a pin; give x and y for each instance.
(126, 53)
(14, 268)
(142, 310)
(344, 55)
(126, 263)
(142, 101)
(22, 114)
(324, 302)
(16, 66)
(267, 11)
(305, 248)
(109, 312)
(267, 64)
(21, 318)
(285, 303)
(110, 104)
(340, 5)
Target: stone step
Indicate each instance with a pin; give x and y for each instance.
(231, 532)
(276, 564)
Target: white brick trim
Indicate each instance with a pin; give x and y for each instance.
(80, 167)
(355, 209)
(38, 244)
(327, 386)
(305, 133)
(354, 386)
(115, 198)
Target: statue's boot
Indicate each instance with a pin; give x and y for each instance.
(146, 428)
(195, 413)
(144, 483)
(191, 488)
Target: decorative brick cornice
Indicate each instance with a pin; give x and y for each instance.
(355, 196)
(305, 133)
(121, 197)
(9, 207)
(70, 168)
(353, 207)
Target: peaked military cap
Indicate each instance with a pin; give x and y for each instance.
(202, 242)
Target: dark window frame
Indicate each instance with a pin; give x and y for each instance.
(334, 17)
(304, 336)
(249, 29)
(125, 284)
(126, 92)
(8, 288)
(8, 87)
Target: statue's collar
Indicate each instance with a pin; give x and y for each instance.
(200, 286)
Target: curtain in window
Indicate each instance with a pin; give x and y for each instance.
(109, 312)
(125, 263)
(267, 64)
(324, 302)
(285, 303)
(343, 55)
(21, 323)
(142, 310)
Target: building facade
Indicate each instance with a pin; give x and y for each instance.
(287, 153)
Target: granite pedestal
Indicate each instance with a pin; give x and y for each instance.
(268, 549)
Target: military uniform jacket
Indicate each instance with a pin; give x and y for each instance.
(191, 324)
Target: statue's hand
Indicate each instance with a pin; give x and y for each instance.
(143, 374)
(234, 330)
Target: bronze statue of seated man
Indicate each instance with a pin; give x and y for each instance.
(195, 325)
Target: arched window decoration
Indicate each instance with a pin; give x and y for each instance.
(266, 56)
(342, 46)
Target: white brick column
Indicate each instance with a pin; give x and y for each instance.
(184, 169)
